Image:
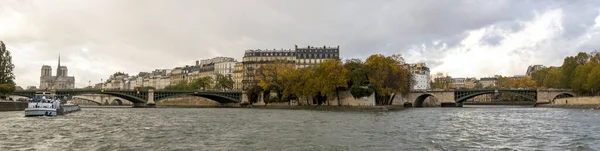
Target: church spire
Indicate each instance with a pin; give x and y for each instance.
(58, 69)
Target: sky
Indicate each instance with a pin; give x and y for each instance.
(463, 38)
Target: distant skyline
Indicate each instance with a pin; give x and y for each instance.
(463, 38)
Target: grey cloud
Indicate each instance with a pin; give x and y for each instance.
(126, 35)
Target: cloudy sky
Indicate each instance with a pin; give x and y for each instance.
(474, 38)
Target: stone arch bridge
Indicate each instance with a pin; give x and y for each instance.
(144, 98)
(459, 96)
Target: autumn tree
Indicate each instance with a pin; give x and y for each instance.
(330, 76)
(7, 77)
(388, 77)
(276, 77)
(305, 86)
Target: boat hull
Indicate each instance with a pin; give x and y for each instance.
(40, 112)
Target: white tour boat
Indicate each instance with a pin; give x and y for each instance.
(49, 105)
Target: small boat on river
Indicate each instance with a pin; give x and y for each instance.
(49, 105)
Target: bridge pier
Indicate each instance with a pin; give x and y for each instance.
(150, 103)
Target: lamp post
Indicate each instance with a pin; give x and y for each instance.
(101, 83)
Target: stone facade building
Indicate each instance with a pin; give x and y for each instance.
(300, 57)
(534, 68)
(237, 76)
(488, 82)
(458, 83)
(418, 68)
(470, 83)
(422, 82)
(225, 68)
(311, 56)
(254, 59)
(60, 81)
(117, 81)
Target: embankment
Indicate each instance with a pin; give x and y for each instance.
(328, 108)
(501, 103)
(575, 103)
(13, 106)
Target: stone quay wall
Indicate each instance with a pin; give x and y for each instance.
(190, 101)
(575, 102)
(13, 106)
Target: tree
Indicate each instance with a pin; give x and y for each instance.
(388, 77)
(224, 82)
(593, 78)
(330, 76)
(202, 83)
(358, 72)
(478, 85)
(7, 77)
(278, 77)
(253, 94)
(182, 85)
(306, 86)
(569, 66)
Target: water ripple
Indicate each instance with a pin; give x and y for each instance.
(252, 129)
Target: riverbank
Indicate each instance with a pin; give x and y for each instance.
(12, 106)
(570, 106)
(500, 103)
(574, 103)
(328, 108)
(286, 107)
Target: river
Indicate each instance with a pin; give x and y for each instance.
(497, 128)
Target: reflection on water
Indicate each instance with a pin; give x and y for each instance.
(255, 129)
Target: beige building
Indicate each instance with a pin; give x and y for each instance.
(470, 83)
(458, 83)
(176, 75)
(237, 76)
(488, 82)
(117, 81)
(254, 59)
(224, 68)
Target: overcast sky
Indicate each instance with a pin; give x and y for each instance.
(469, 38)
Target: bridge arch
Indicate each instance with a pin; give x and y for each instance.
(563, 95)
(88, 100)
(116, 102)
(465, 98)
(420, 100)
(214, 97)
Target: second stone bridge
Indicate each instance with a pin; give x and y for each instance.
(417, 98)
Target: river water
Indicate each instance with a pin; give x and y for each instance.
(497, 128)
